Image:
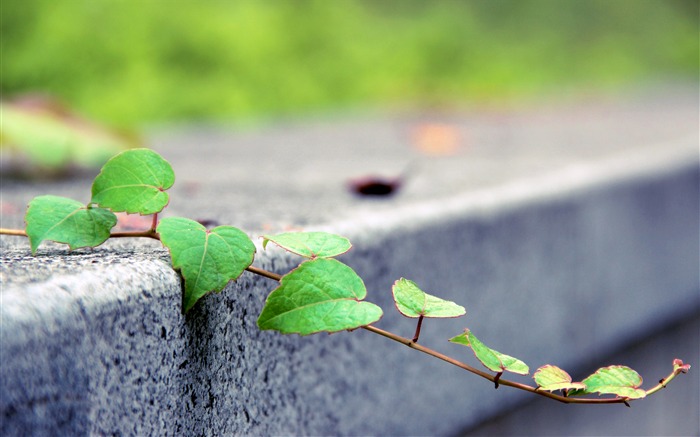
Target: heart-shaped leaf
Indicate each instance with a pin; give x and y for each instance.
(549, 377)
(67, 221)
(411, 301)
(135, 182)
(319, 295)
(618, 380)
(207, 259)
(310, 244)
(490, 358)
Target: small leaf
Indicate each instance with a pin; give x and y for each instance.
(207, 259)
(490, 358)
(618, 380)
(678, 366)
(411, 301)
(310, 244)
(135, 182)
(319, 295)
(67, 221)
(550, 378)
(460, 339)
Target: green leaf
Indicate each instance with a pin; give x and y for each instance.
(490, 358)
(310, 244)
(618, 380)
(550, 378)
(67, 221)
(207, 259)
(134, 182)
(319, 295)
(411, 301)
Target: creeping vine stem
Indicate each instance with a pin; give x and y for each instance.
(679, 367)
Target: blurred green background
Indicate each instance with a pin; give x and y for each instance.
(131, 63)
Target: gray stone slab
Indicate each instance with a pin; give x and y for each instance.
(566, 230)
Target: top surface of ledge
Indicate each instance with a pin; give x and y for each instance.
(296, 176)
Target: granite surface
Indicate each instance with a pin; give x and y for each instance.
(567, 231)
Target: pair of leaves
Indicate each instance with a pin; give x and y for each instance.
(618, 380)
(322, 294)
(133, 181)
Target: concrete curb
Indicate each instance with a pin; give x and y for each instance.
(562, 267)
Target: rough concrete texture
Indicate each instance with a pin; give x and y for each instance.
(567, 231)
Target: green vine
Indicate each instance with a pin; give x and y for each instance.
(320, 295)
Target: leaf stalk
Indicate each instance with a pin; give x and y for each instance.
(417, 334)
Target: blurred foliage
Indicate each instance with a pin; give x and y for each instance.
(136, 61)
(41, 138)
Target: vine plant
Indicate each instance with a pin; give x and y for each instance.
(320, 295)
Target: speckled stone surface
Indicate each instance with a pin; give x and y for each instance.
(566, 231)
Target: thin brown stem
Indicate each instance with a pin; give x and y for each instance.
(497, 378)
(154, 223)
(492, 378)
(15, 232)
(412, 343)
(149, 233)
(677, 370)
(265, 273)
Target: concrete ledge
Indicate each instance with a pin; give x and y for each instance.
(559, 259)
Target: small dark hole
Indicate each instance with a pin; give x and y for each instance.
(375, 186)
